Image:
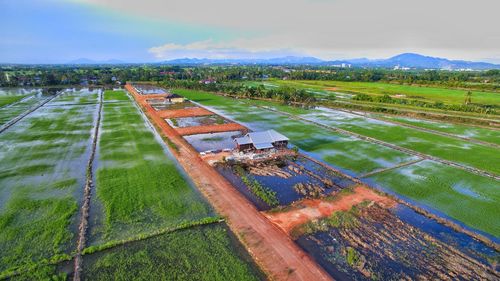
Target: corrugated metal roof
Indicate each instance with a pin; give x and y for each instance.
(261, 140)
(243, 140)
(263, 145)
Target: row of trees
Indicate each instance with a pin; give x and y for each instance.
(468, 106)
(283, 94)
(101, 75)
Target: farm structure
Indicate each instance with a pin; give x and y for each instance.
(259, 141)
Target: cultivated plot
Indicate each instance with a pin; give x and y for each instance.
(198, 253)
(478, 133)
(464, 196)
(139, 189)
(42, 173)
(16, 102)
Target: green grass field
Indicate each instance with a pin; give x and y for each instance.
(139, 189)
(464, 196)
(199, 253)
(432, 94)
(9, 99)
(41, 177)
(347, 153)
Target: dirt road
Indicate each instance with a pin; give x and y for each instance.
(310, 209)
(270, 247)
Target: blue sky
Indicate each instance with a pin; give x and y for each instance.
(58, 31)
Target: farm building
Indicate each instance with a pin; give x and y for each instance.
(174, 98)
(261, 141)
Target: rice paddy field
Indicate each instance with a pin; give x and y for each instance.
(435, 186)
(477, 133)
(198, 253)
(146, 217)
(139, 189)
(15, 102)
(41, 176)
(424, 93)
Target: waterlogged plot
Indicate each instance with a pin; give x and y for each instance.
(466, 197)
(347, 153)
(452, 149)
(41, 175)
(14, 103)
(139, 189)
(478, 133)
(199, 253)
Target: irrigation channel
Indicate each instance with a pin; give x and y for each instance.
(27, 112)
(389, 145)
(422, 129)
(87, 193)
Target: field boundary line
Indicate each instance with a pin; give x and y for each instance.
(87, 193)
(18, 118)
(476, 141)
(386, 144)
(377, 171)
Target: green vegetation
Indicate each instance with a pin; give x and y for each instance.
(42, 172)
(9, 99)
(466, 197)
(408, 92)
(201, 253)
(478, 133)
(339, 219)
(264, 193)
(140, 188)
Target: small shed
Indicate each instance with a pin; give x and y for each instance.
(174, 98)
(261, 141)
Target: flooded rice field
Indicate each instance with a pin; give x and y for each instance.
(172, 106)
(41, 178)
(145, 89)
(213, 141)
(197, 121)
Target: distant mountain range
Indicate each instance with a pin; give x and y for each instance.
(402, 61)
(89, 61)
(407, 60)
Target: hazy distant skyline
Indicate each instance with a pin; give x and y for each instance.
(58, 31)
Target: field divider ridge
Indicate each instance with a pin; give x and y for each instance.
(377, 171)
(87, 193)
(390, 145)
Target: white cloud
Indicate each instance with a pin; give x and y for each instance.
(332, 28)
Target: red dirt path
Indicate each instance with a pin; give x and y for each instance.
(272, 249)
(310, 209)
(187, 112)
(210, 129)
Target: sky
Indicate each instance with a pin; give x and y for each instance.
(59, 31)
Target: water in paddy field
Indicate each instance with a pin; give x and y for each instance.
(397, 244)
(149, 89)
(213, 141)
(282, 176)
(207, 120)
